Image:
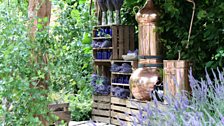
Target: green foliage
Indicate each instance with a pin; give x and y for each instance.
(20, 102)
(207, 41)
(71, 56)
(22, 66)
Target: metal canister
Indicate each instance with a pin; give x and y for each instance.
(176, 76)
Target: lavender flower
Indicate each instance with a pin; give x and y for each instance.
(205, 106)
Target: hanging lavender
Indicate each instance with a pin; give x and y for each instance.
(117, 4)
(111, 8)
(103, 7)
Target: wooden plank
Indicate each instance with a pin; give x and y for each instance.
(101, 112)
(101, 98)
(119, 122)
(101, 38)
(100, 62)
(101, 105)
(126, 40)
(121, 73)
(132, 37)
(121, 42)
(119, 101)
(135, 104)
(122, 116)
(63, 106)
(114, 42)
(101, 119)
(120, 108)
(105, 48)
(119, 84)
(63, 115)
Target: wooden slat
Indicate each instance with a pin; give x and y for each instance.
(101, 119)
(101, 112)
(117, 122)
(101, 105)
(115, 100)
(132, 38)
(63, 115)
(101, 98)
(114, 42)
(126, 40)
(120, 115)
(121, 42)
(120, 108)
(101, 38)
(121, 73)
(119, 84)
(135, 104)
(64, 106)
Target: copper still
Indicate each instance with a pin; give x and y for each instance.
(148, 74)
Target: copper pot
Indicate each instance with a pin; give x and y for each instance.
(142, 82)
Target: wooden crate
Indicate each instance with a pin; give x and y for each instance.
(114, 75)
(121, 111)
(122, 40)
(61, 111)
(125, 109)
(102, 70)
(101, 109)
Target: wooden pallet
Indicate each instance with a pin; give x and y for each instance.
(119, 111)
(101, 109)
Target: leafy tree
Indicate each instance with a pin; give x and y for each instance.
(207, 41)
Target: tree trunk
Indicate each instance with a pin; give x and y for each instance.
(39, 9)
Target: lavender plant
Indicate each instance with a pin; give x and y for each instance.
(205, 107)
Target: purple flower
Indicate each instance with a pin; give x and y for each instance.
(222, 120)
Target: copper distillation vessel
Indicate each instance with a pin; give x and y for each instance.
(149, 72)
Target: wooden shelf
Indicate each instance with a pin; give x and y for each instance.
(103, 48)
(119, 84)
(101, 38)
(98, 60)
(103, 26)
(119, 73)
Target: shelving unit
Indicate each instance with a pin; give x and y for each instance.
(116, 77)
(122, 40)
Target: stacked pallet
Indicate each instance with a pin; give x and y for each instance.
(101, 109)
(125, 110)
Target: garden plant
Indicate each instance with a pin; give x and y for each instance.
(67, 44)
